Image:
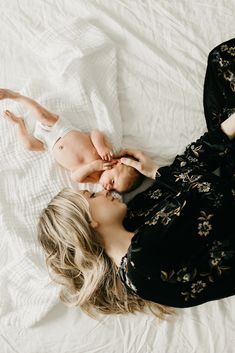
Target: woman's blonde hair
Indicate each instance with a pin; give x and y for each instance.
(76, 258)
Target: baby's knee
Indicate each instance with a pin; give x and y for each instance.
(28, 145)
(32, 144)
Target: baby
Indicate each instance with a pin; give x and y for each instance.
(89, 157)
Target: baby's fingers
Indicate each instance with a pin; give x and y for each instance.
(108, 156)
(109, 165)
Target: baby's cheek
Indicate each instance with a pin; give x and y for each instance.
(102, 179)
(105, 176)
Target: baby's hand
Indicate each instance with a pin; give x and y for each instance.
(105, 153)
(100, 165)
(8, 94)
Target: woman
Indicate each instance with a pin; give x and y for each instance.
(174, 246)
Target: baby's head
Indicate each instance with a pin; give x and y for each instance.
(121, 178)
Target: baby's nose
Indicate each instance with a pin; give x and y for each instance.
(108, 187)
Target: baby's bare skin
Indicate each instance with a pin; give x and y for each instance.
(76, 150)
(86, 156)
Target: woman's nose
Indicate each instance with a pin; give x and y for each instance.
(104, 192)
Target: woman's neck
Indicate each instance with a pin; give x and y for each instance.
(116, 242)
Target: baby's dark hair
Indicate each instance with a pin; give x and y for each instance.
(136, 176)
(137, 179)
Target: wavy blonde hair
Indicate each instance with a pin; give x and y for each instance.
(76, 258)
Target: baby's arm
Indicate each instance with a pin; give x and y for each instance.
(84, 173)
(102, 145)
(41, 113)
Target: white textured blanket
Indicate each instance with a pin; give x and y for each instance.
(161, 50)
(79, 81)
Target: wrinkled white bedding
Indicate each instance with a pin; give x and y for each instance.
(91, 60)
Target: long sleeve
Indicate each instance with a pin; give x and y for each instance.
(185, 173)
(218, 97)
(183, 250)
(200, 157)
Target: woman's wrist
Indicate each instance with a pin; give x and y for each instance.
(154, 173)
(228, 127)
(157, 174)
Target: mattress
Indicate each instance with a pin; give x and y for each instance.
(134, 69)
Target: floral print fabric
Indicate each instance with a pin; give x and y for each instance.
(182, 253)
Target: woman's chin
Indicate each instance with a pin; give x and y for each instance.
(124, 205)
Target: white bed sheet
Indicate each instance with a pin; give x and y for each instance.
(161, 49)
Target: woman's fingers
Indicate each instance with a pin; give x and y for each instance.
(144, 164)
(130, 162)
(140, 161)
(130, 152)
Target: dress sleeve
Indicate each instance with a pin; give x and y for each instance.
(200, 157)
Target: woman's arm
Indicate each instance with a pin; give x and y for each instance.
(205, 154)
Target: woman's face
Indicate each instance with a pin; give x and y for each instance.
(104, 207)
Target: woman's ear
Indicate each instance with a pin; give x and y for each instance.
(94, 224)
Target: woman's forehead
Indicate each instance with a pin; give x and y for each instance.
(84, 192)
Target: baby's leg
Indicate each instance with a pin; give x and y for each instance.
(29, 142)
(41, 113)
(102, 145)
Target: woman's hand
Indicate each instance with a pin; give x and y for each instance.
(8, 94)
(144, 164)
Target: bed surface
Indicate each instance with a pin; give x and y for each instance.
(135, 69)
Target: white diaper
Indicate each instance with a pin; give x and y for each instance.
(50, 134)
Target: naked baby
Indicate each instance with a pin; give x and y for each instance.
(88, 156)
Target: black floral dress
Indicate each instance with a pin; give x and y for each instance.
(183, 250)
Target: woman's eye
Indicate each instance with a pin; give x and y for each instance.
(92, 195)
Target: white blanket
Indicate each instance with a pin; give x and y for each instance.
(80, 83)
(161, 51)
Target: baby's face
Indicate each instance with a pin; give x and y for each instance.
(118, 178)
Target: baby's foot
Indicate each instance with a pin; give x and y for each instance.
(8, 94)
(12, 117)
